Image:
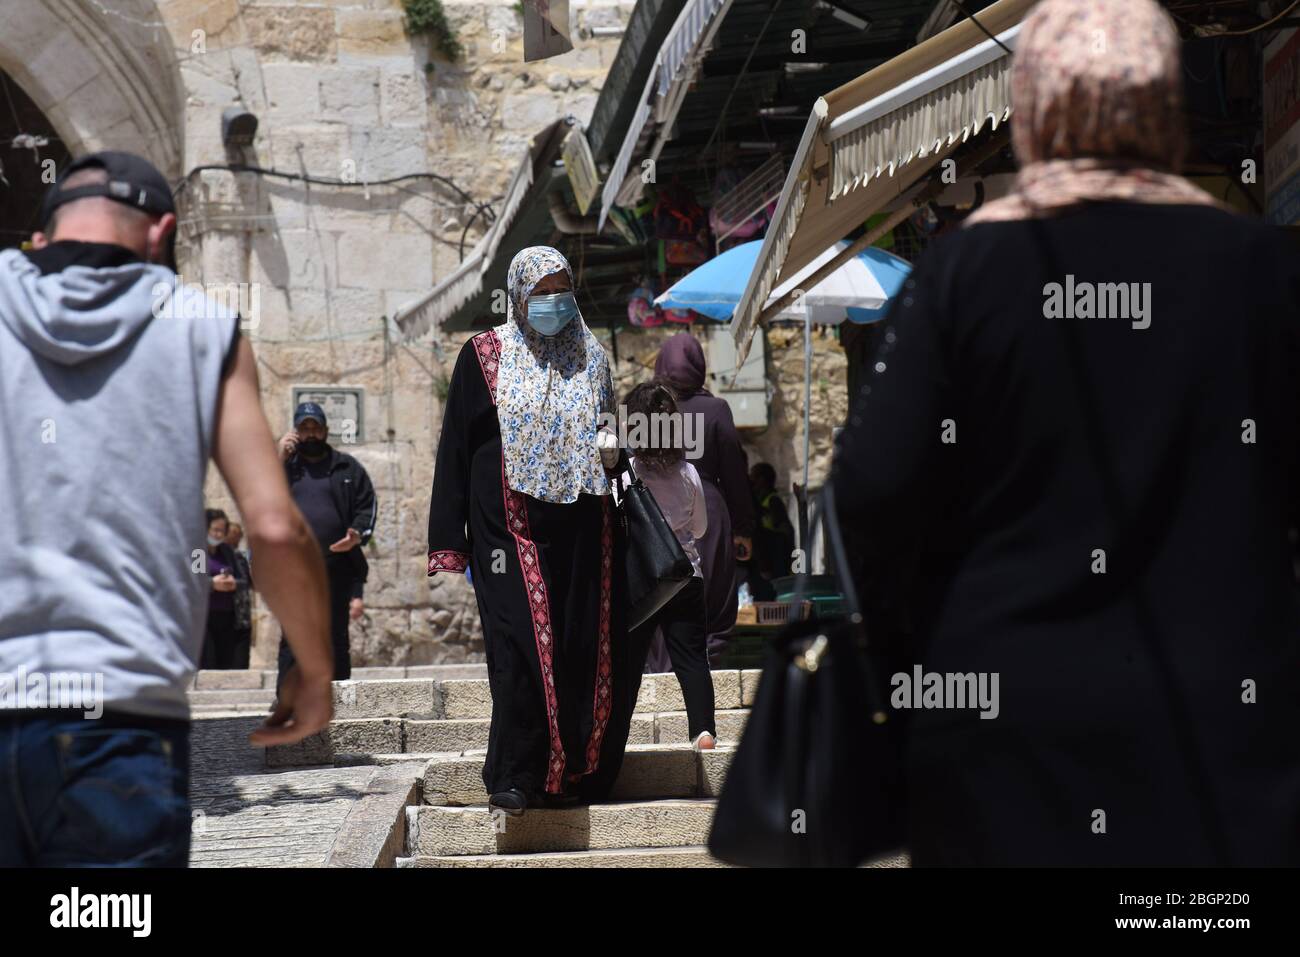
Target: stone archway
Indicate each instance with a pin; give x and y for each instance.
(103, 72)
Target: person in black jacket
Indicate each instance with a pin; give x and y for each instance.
(335, 495)
(1082, 418)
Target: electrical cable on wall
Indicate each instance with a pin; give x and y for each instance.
(324, 180)
(483, 209)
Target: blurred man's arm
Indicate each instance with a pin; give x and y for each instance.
(292, 577)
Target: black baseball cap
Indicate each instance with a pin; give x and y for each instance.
(309, 410)
(132, 181)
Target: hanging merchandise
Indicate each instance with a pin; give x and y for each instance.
(683, 252)
(641, 309)
(924, 221)
(678, 216)
(743, 206)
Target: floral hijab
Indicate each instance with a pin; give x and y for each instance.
(550, 393)
(1097, 94)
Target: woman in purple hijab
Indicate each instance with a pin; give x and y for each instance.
(724, 472)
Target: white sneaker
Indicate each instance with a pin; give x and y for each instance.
(704, 741)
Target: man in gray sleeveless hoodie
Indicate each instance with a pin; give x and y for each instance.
(116, 386)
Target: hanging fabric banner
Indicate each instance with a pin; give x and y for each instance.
(546, 29)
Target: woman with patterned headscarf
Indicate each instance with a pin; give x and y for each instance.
(1074, 462)
(521, 498)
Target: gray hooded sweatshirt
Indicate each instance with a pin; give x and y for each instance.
(109, 381)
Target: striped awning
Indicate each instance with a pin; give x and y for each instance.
(869, 142)
(466, 280)
(674, 67)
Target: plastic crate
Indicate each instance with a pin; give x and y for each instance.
(771, 613)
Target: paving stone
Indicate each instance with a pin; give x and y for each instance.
(713, 770)
(470, 698)
(217, 680)
(373, 673)
(456, 735)
(235, 698)
(443, 735)
(663, 692)
(649, 771)
(385, 698)
(288, 819)
(672, 728)
(622, 857)
(350, 735)
(359, 759)
(219, 744)
(374, 832)
(468, 670)
(441, 831)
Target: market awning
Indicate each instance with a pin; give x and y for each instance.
(673, 70)
(870, 141)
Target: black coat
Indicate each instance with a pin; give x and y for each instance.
(992, 458)
(354, 498)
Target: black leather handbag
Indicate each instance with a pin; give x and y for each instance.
(816, 780)
(657, 566)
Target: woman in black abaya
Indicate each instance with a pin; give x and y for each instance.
(520, 496)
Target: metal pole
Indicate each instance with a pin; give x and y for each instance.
(807, 425)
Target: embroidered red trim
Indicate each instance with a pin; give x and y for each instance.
(488, 347)
(602, 705)
(446, 560)
(539, 606)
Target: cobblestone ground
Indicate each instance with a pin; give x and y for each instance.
(272, 819)
(249, 815)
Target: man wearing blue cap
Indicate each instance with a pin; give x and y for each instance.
(336, 497)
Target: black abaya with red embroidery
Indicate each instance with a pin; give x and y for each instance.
(545, 577)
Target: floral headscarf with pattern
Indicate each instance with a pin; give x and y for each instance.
(1097, 101)
(550, 393)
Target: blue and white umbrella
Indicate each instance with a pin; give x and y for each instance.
(859, 290)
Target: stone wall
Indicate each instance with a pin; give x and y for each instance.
(342, 93)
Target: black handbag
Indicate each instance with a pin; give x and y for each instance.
(656, 563)
(816, 780)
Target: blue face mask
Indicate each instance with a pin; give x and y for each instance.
(549, 314)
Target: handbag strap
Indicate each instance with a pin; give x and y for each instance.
(1148, 625)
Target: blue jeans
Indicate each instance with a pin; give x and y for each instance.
(112, 792)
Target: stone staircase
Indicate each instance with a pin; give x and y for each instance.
(434, 725)
(396, 780)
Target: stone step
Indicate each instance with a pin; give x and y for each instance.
(649, 771)
(249, 707)
(204, 697)
(357, 759)
(619, 857)
(376, 696)
(349, 736)
(456, 831)
(469, 698)
(227, 680)
(456, 736)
